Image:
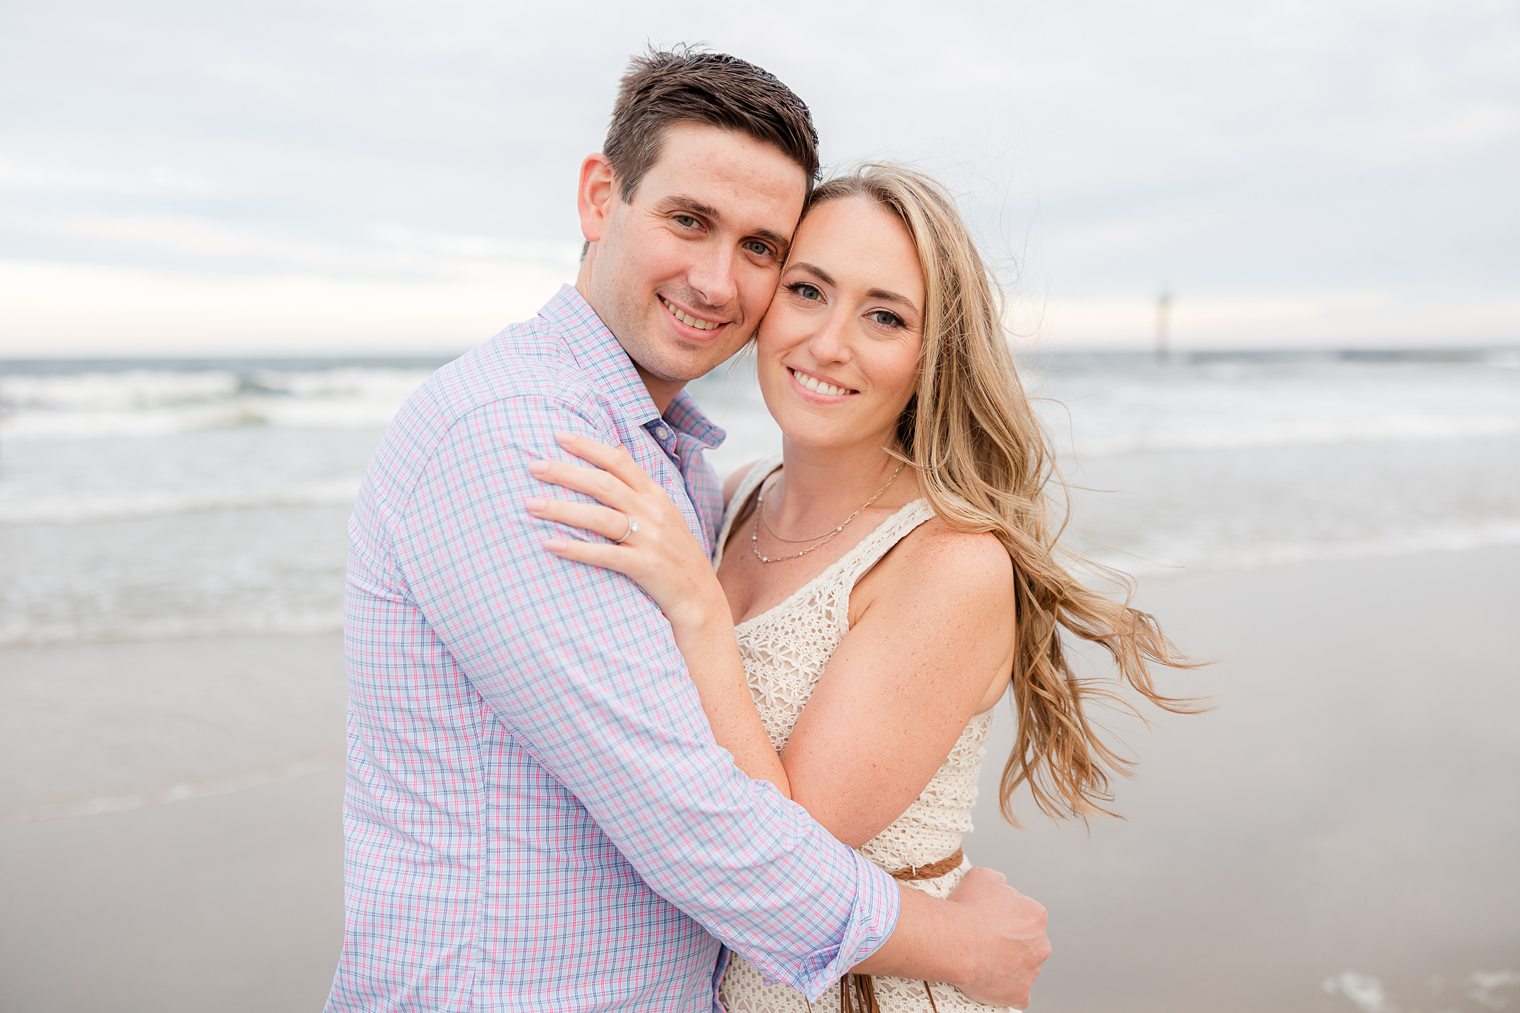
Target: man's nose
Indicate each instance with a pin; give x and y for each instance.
(712, 276)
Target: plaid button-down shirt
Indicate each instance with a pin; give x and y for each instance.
(537, 816)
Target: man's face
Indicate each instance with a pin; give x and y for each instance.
(683, 272)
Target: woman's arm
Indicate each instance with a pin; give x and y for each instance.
(930, 645)
(931, 629)
(712, 659)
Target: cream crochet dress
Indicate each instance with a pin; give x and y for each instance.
(785, 649)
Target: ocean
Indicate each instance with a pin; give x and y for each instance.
(152, 499)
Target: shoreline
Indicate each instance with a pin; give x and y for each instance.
(1330, 831)
(1498, 536)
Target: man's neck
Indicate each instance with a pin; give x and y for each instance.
(661, 392)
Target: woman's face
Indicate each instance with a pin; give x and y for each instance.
(838, 350)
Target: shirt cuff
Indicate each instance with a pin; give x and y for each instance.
(878, 903)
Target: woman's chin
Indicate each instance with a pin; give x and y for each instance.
(835, 439)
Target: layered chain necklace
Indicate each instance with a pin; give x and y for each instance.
(818, 541)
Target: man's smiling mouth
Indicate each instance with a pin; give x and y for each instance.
(689, 320)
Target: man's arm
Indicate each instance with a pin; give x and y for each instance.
(581, 668)
(580, 665)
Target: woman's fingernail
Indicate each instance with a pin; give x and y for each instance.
(537, 467)
(555, 544)
(535, 503)
(565, 438)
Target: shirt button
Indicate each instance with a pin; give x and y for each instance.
(661, 433)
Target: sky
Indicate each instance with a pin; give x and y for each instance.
(342, 177)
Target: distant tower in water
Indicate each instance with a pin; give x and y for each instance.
(1163, 325)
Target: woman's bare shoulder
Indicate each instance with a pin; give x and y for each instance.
(941, 569)
(731, 483)
(951, 558)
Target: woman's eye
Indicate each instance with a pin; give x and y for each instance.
(886, 318)
(805, 291)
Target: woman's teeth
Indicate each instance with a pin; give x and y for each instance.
(817, 386)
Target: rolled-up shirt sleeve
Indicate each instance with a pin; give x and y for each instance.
(580, 666)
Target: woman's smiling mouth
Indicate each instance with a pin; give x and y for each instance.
(812, 383)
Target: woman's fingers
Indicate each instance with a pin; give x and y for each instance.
(594, 482)
(592, 553)
(614, 460)
(605, 521)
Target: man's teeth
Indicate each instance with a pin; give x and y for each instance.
(690, 321)
(817, 386)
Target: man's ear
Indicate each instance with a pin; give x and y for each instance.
(595, 196)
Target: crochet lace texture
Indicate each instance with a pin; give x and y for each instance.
(785, 649)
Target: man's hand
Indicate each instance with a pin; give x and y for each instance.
(986, 938)
(1003, 971)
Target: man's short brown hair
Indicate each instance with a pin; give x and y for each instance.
(688, 85)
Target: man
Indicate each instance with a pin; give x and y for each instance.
(537, 817)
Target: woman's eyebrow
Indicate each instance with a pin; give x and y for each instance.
(815, 270)
(876, 293)
(881, 293)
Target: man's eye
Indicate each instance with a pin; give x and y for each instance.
(685, 221)
(759, 248)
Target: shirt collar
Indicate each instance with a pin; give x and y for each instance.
(607, 365)
(685, 417)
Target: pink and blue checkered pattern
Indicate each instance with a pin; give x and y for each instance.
(537, 817)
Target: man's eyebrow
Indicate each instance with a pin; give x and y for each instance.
(681, 202)
(782, 244)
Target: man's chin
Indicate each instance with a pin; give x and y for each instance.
(692, 363)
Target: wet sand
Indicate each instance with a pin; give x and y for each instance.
(1340, 833)
(172, 837)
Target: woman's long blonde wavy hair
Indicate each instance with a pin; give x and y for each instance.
(984, 463)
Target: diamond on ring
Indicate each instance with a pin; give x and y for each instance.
(633, 526)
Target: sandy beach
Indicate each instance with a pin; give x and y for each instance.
(1340, 833)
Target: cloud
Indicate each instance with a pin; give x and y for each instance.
(1236, 151)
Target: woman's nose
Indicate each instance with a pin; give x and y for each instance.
(829, 343)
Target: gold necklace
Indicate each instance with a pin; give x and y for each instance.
(778, 536)
(821, 540)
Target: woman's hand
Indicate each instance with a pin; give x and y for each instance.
(647, 538)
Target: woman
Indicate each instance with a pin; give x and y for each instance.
(892, 575)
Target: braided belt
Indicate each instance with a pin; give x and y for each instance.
(857, 993)
(934, 870)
